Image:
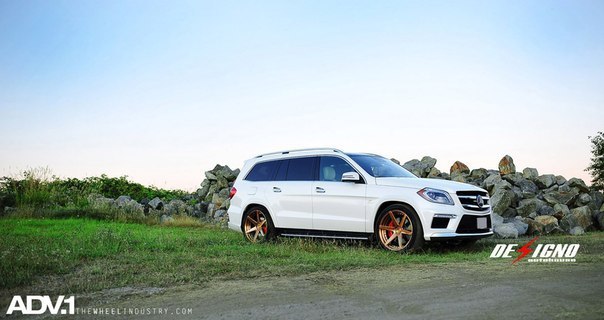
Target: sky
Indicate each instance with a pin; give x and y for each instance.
(161, 91)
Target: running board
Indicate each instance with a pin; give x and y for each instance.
(297, 233)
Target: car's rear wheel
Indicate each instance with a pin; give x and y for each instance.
(257, 225)
(398, 229)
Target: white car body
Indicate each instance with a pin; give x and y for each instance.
(350, 208)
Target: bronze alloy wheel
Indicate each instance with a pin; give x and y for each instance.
(395, 230)
(256, 226)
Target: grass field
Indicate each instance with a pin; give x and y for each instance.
(82, 255)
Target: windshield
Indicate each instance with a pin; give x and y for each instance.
(380, 167)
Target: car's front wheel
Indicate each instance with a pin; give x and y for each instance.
(398, 229)
(257, 225)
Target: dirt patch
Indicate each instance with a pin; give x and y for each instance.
(437, 291)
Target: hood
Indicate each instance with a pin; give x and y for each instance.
(419, 183)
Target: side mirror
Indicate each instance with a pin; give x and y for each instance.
(351, 177)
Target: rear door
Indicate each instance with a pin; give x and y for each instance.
(337, 205)
(290, 196)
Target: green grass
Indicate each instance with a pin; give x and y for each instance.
(82, 255)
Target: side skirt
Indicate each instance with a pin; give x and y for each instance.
(326, 234)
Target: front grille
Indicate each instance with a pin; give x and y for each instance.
(468, 224)
(470, 200)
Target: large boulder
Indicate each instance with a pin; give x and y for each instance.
(600, 220)
(420, 168)
(561, 197)
(501, 200)
(545, 181)
(530, 206)
(156, 204)
(578, 183)
(506, 165)
(580, 216)
(560, 180)
(530, 173)
(459, 167)
(560, 211)
(520, 225)
(550, 224)
(528, 188)
(583, 200)
(505, 230)
(491, 181)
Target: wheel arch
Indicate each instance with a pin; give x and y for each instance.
(385, 204)
(250, 205)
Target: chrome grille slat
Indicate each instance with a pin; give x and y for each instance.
(469, 202)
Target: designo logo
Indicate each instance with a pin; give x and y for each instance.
(542, 253)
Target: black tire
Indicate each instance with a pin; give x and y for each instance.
(392, 236)
(253, 218)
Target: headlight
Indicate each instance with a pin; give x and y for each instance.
(436, 196)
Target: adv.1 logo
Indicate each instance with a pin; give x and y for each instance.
(45, 303)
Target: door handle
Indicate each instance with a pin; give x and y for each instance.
(319, 190)
(276, 189)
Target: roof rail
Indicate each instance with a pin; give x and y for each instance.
(300, 150)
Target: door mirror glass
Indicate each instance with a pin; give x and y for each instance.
(351, 177)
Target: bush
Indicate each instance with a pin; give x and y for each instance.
(596, 168)
(38, 190)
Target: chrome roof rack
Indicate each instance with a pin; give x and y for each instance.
(300, 150)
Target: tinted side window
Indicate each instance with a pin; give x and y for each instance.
(301, 169)
(262, 171)
(332, 168)
(282, 170)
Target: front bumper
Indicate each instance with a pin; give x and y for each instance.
(462, 224)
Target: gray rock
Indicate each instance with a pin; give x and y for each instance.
(560, 180)
(502, 185)
(165, 219)
(545, 211)
(528, 188)
(566, 198)
(561, 211)
(583, 199)
(496, 219)
(490, 182)
(177, 207)
(210, 175)
(156, 204)
(545, 181)
(564, 188)
(528, 206)
(480, 173)
(506, 165)
(501, 200)
(577, 231)
(578, 217)
(600, 220)
(510, 213)
(530, 173)
(514, 178)
(597, 200)
(578, 183)
(460, 177)
(520, 225)
(122, 200)
(220, 214)
(506, 230)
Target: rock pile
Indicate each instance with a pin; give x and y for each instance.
(214, 193)
(526, 202)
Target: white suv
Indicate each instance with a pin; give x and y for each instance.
(331, 194)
